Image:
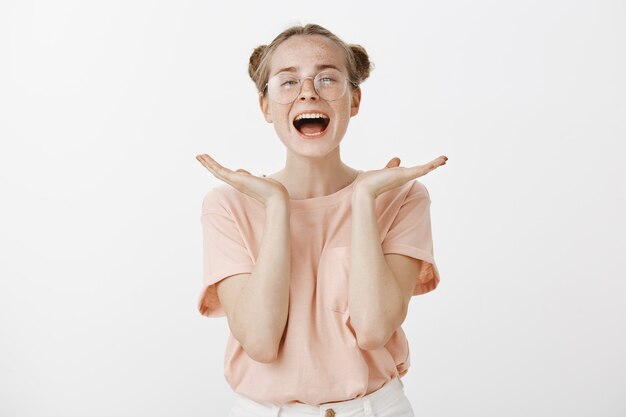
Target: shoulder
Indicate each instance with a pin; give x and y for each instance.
(416, 189)
(214, 201)
(223, 198)
(408, 191)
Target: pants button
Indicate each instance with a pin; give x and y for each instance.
(330, 413)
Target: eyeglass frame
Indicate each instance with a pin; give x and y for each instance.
(300, 81)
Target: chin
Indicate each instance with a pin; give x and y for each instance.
(311, 150)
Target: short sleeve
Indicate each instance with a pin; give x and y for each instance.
(410, 234)
(223, 249)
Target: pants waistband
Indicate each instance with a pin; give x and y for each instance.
(380, 399)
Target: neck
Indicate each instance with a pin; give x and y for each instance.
(307, 177)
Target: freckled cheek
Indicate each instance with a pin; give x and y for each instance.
(342, 112)
(341, 120)
(282, 128)
(284, 124)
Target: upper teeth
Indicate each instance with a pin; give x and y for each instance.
(311, 116)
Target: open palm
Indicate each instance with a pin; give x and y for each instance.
(262, 189)
(393, 175)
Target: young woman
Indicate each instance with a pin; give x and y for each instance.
(314, 265)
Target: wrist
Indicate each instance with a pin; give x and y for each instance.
(360, 194)
(278, 204)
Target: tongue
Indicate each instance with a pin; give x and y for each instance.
(311, 127)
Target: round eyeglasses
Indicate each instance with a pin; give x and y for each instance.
(329, 84)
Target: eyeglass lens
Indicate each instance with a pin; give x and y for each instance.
(284, 88)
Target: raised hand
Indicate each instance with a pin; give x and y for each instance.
(378, 181)
(262, 189)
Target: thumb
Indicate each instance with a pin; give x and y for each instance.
(393, 162)
(242, 170)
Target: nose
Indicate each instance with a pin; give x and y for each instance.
(307, 89)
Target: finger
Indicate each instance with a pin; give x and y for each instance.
(208, 158)
(207, 163)
(420, 170)
(210, 164)
(393, 162)
(435, 163)
(216, 169)
(214, 166)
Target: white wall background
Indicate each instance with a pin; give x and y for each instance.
(104, 105)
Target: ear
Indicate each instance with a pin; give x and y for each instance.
(265, 108)
(356, 101)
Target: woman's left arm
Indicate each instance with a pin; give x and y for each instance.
(380, 286)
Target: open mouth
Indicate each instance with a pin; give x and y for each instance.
(311, 124)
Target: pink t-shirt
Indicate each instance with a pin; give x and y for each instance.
(319, 360)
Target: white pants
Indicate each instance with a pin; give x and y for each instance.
(388, 401)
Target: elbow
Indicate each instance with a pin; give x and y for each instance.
(371, 340)
(259, 346)
(261, 351)
(376, 337)
(263, 356)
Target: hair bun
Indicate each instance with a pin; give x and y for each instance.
(361, 61)
(255, 60)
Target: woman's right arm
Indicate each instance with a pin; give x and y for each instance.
(257, 304)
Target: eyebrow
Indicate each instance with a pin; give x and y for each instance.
(294, 69)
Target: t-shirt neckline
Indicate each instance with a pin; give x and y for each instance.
(325, 200)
